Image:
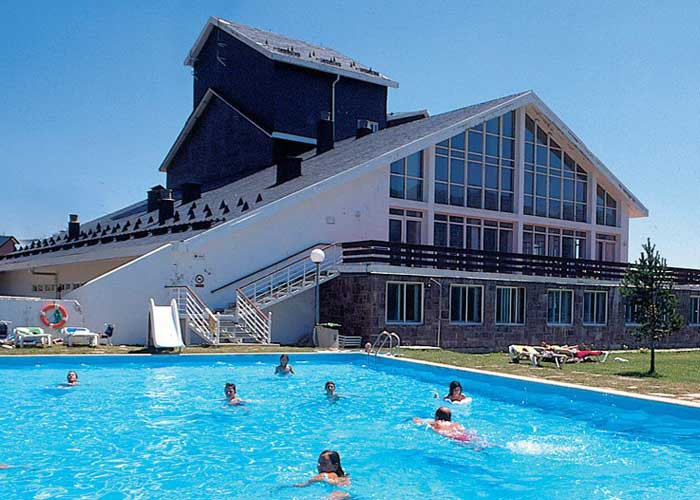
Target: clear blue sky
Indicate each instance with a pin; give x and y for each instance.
(94, 93)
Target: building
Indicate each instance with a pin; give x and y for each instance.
(8, 244)
(475, 228)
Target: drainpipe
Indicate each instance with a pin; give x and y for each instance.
(439, 332)
(337, 78)
(46, 273)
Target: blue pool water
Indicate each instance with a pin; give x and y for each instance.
(157, 427)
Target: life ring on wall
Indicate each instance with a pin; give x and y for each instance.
(54, 315)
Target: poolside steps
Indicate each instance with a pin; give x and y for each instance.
(232, 332)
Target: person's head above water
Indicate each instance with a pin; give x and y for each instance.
(455, 388)
(329, 461)
(330, 387)
(443, 413)
(230, 390)
(284, 359)
(72, 377)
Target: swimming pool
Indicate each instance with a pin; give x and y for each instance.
(156, 427)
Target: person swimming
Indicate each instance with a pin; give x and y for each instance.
(71, 380)
(455, 395)
(231, 395)
(330, 390)
(329, 471)
(443, 425)
(284, 368)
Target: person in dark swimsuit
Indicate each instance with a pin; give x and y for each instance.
(284, 368)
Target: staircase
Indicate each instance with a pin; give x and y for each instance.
(196, 317)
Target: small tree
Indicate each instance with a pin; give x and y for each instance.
(648, 287)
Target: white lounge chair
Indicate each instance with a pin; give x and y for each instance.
(31, 335)
(74, 335)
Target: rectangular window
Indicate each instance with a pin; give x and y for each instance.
(465, 304)
(595, 308)
(405, 226)
(404, 302)
(606, 247)
(472, 234)
(406, 178)
(540, 240)
(510, 305)
(606, 208)
(560, 305)
(631, 314)
(694, 311)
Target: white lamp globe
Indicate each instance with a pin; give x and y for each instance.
(317, 256)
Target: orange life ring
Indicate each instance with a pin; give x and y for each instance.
(58, 317)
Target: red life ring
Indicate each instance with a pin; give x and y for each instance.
(58, 317)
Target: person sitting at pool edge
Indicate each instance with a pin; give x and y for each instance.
(284, 368)
(329, 471)
(231, 396)
(455, 395)
(443, 425)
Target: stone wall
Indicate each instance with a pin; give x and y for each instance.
(357, 302)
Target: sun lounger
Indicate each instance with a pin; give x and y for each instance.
(576, 355)
(534, 354)
(79, 336)
(31, 335)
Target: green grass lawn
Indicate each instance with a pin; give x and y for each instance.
(678, 373)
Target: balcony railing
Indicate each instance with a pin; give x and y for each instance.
(480, 261)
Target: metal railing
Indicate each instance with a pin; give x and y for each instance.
(253, 319)
(481, 261)
(385, 337)
(295, 277)
(197, 316)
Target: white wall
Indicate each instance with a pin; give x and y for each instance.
(352, 210)
(26, 311)
(293, 318)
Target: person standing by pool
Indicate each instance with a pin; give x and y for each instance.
(329, 471)
(284, 368)
(231, 395)
(443, 425)
(455, 395)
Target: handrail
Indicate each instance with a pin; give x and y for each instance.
(384, 336)
(271, 265)
(198, 316)
(253, 319)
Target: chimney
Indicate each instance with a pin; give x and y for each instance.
(73, 227)
(287, 169)
(325, 135)
(167, 207)
(154, 196)
(191, 191)
(364, 127)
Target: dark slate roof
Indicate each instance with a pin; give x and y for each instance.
(238, 198)
(5, 239)
(290, 50)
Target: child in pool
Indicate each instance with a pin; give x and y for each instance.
(71, 380)
(330, 390)
(329, 471)
(284, 368)
(231, 395)
(443, 425)
(455, 395)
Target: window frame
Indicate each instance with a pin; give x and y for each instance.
(405, 177)
(386, 303)
(571, 315)
(481, 309)
(595, 308)
(524, 299)
(694, 321)
(630, 323)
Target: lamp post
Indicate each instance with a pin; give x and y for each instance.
(317, 257)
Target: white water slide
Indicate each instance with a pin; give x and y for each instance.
(164, 326)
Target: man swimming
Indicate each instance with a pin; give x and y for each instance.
(71, 380)
(284, 368)
(231, 395)
(443, 425)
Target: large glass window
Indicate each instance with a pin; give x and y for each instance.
(560, 305)
(510, 305)
(555, 185)
(595, 308)
(694, 311)
(554, 242)
(465, 304)
(405, 226)
(404, 302)
(473, 234)
(605, 209)
(631, 313)
(476, 169)
(606, 247)
(406, 179)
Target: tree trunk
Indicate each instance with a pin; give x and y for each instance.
(652, 367)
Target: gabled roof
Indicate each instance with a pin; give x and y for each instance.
(134, 225)
(5, 239)
(290, 51)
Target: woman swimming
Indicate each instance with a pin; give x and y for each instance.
(455, 395)
(284, 368)
(329, 471)
(231, 395)
(443, 425)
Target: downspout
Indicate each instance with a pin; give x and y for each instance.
(337, 78)
(46, 273)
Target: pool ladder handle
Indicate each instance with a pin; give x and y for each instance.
(383, 338)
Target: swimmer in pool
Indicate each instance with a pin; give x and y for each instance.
(443, 425)
(330, 390)
(71, 380)
(284, 368)
(4, 466)
(231, 396)
(455, 395)
(329, 471)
